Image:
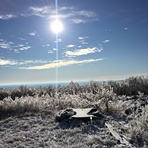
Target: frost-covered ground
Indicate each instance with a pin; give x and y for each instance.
(39, 129)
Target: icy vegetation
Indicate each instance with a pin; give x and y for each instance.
(27, 115)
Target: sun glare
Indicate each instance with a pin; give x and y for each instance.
(57, 26)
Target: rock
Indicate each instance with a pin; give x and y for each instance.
(128, 111)
(64, 114)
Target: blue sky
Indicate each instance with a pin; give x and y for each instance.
(101, 40)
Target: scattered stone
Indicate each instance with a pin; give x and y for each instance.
(128, 111)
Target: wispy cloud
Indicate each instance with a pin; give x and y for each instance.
(83, 37)
(74, 15)
(86, 13)
(33, 33)
(71, 13)
(84, 43)
(80, 52)
(50, 51)
(47, 45)
(83, 16)
(32, 62)
(106, 41)
(58, 41)
(55, 49)
(23, 39)
(21, 47)
(4, 62)
(78, 20)
(7, 16)
(5, 45)
(40, 11)
(11, 46)
(61, 63)
(70, 46)
(24, 48)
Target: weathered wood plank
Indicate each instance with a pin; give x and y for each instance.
(116, 135)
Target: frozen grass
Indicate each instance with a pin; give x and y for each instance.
(40, 130)
(29, 120)
(44, 103)
(139, 127)
(33, 123)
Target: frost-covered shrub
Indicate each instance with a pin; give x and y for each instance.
(3, 94)
(16, 93)
(107, 96)
(130, 86)
(51, 91)
(22, 91)
(139, 127)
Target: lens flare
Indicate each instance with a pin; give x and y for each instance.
(57, 26)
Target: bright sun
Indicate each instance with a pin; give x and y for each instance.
(56, 26)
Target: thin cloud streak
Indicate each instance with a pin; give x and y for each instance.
(86, 13)
(70, 46)
(33, 33)
(75, 16)
(83, 37)
(78, 20)
(21, 47)
(106, 41)
(58, 41)
(32, 62)
(11, 46)
(50, 51)
(61, 63)
(80, 52)
(39, 11)
(7, 16)
(5, 45)
(7, 62)
(11, 62)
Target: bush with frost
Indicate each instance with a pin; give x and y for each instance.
(138, 130)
